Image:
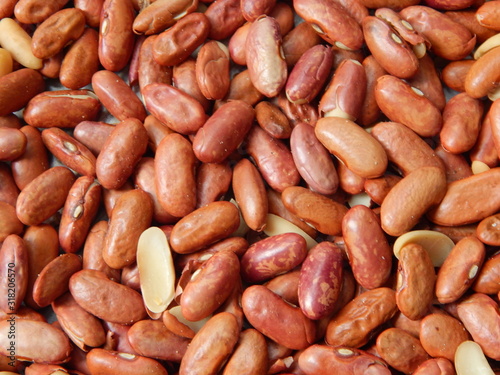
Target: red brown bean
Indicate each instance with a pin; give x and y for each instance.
(106, 299)
(320, 280)
(277, 319)
(44, 196)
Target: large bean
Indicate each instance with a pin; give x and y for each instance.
(344, 139)
(223, 132)
(320, 281)
(36, 341)
(211, 346)
(273, 256)
(277, 319)
(273, 158)
(400, 350)
(410, 198)
(210, 286)
(324, 360)
(480, 316)
(441, 334)
(131, 215)
(354, 324)
(460, 269)
(17, 88)
(414, 293)
(101, 361)
(106, 299)
(368, 250)
(312, 160)
(250, 194)
(121, 152)
(116, 37)
(84, 329)
(13, 273)
(44, 196)
(265, 58)
(150, 338)
(52, 282)
(468, 200)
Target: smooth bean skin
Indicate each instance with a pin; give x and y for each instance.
(175, 175)
(106, 299)
(480, 316)
(276, 319)
(176, 109)
(441, 334)
(71, 107)
(211, 287)
(410, 198)
(12, 144)
(410, 152)
(101, 361)
(10, 223)
(42, 245)
(131, 215)
(13, 273)
(44, 196)
(42, 342)
(213, 70)
(482, 76)
(323, 360)
(321, 212)
(211, 346)
(423, 117)
(150, 338)
(352, 326)
(121, 152)
(436, 366)
(52, 282)
(212, 182)
(342, 137)
(17, 88)
(273, 159)
(479, 193)
(313, 160)
(346, 91)
(81, 61)
(84, 329)
(462, 117)
(57, 31)
(320, 280)
(250, 194)
(117, 96)
(223, 132)
(488, 281)
(251, 344)
(35, 11)
(116, 37)
(309, 74)
(459, 270)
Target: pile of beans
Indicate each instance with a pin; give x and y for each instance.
(249, 187)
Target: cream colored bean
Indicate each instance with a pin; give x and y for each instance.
(437, 244)
(470, 360)
(5, 62)
(156, 268)
(17, 41)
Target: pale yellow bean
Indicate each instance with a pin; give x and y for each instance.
(5, 62)
(17, 41)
